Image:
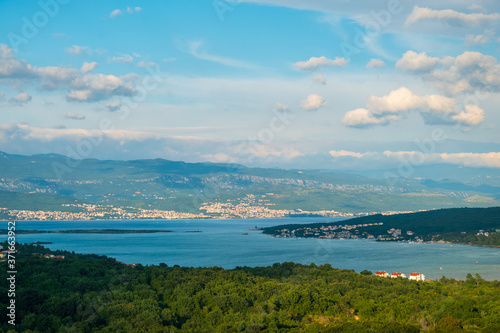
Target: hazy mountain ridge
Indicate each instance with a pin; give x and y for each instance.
(167, 185)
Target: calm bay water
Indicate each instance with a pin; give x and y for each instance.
(228, 243)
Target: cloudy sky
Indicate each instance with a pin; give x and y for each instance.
(281, 83)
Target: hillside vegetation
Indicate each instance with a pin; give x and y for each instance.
(88, 293)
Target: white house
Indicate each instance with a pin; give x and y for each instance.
(417, 276)
(382, 274)
(397, 274)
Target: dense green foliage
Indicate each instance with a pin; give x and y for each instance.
(92, 293)
(447, 223)
(493, 239)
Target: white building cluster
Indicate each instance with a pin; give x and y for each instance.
(394, 275)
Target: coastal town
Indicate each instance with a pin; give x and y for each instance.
(346, 231)
(248, 207)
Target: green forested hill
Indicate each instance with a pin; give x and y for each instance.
(449, 224)
(97, 294)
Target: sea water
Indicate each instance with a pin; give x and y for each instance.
(230, 243)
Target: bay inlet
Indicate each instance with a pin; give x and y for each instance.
(232, 243)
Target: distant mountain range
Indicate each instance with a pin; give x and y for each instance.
(47, 182)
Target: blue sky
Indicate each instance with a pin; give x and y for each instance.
(295, 84)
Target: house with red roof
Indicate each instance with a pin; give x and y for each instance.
(397, 274)
(417, 277)
(381, 274)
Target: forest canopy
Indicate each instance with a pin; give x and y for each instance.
(88, 293)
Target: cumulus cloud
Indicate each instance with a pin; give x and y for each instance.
(471, 40)
(313, 63)
(115, 13)
(133, 10)
(92, 88)
(346, 153)
(450, 16)
(434, 109)
(375, 63)
(313, 102)
(404, 99)
(11, 67)
(472, 116)
(362, 118)
(82, 85)
(89, 66)
(114, 106)
(20, 99)
(79, 50)
(466, 73)
(491, 159)
(2, 96)
(281, 107)
(417, 62)
(74, 116)
(319, 79)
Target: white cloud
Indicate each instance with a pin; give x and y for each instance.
(83, 86)
(416, 62)
(2, 96)
(472, 40)
(472, 116)
(79, 50)
(79, 95)
(491, 159)
(281, 107)
(434, 109)
(20, 99)
(450, 16)
(124, 58)
(375, 63)
(114, 106)
(345, 153)
(403, 100)
(314, 62)
(129, 10)
(10, 67)
(363, 117)
(319, 79)
(115, 13)
(313, 102)
(133, 10)
(96, 87)
(74, 116)
(89, 66)
(466, 73)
